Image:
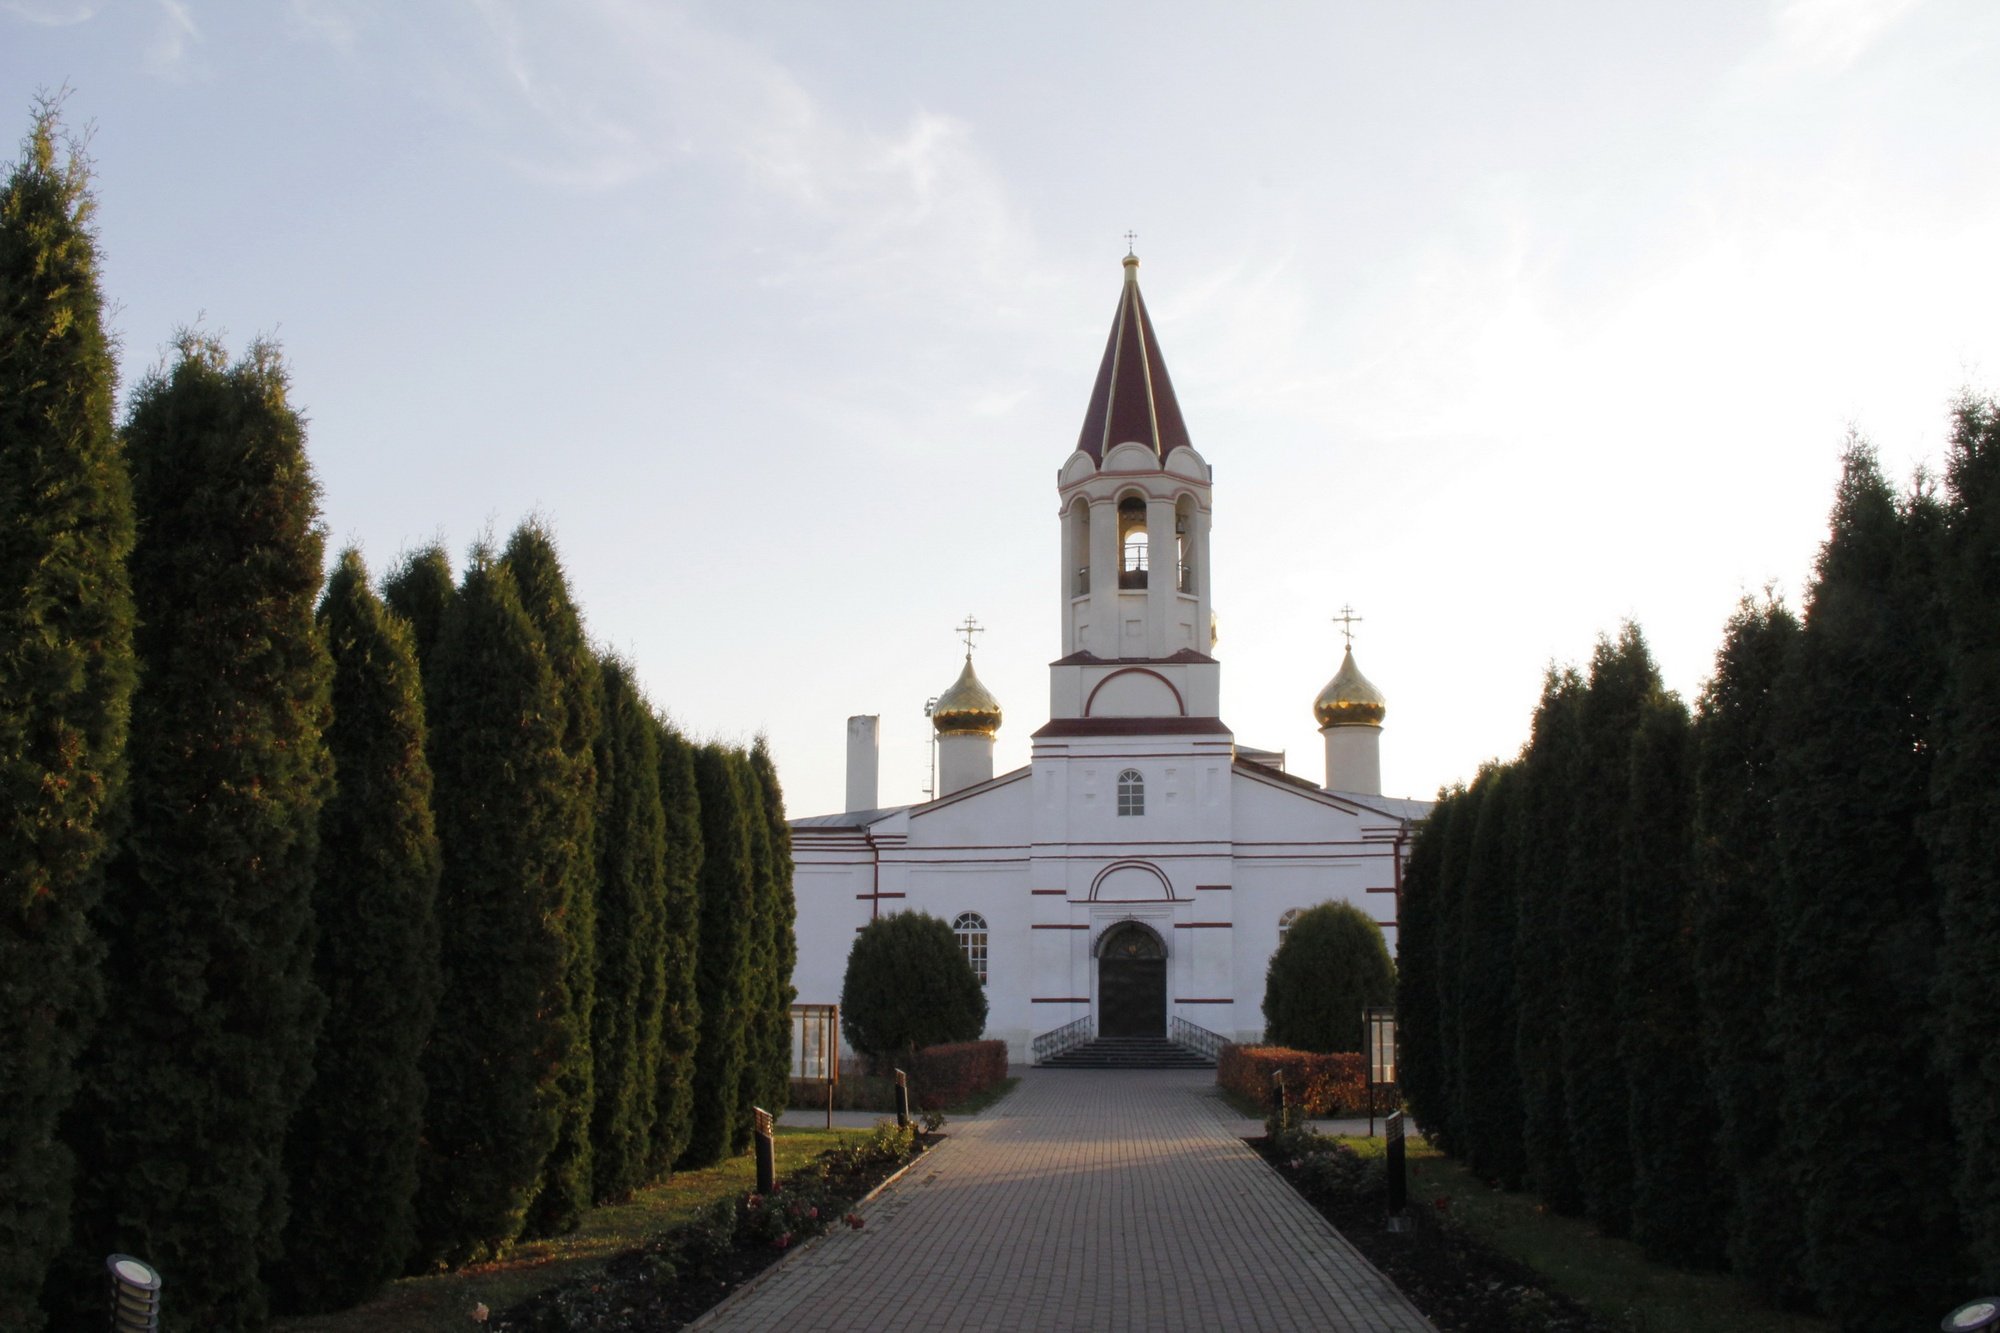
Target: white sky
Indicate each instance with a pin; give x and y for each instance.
(1501, 322)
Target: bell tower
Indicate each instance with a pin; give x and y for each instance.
(1135, 503)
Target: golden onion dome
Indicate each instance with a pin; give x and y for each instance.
(1348, 699)
(968, 708)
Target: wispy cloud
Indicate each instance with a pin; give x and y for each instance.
(168, 54)
(1828, 36)
(51, 13)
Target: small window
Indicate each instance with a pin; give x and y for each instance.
(971, 931)
(1131, 793)
(1285, 923)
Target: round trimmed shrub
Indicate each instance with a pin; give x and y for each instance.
(1331, 965)
(907, 986)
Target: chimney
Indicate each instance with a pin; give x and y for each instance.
(864, 762)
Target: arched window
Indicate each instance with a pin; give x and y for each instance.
(1132, 544)
(1285, 923)
(971, 931)
(1131, 792)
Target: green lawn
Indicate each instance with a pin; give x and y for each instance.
(1611, 1277)
(443, 1304)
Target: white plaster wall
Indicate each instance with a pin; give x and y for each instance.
(1354, 759)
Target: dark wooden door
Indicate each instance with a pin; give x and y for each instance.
(1132, 997)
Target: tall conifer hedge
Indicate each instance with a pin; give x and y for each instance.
(207, 1038)
(531, 557)
(781, 915)
(1623, 681)
(1548, 773)
(631, 940)
(1677, 1192)
(419, 589)
(1735, 942)
(503, 1023)
(1420, 1065)
(680, 1004)
(727, 895)
(66, 674)
(1489, 1083)
(1966, 832)
(1858, 930)
(352, 1148)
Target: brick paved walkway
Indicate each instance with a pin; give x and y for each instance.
(1084, 1200)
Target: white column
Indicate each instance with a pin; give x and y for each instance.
(1104, 555)
(1164, 555)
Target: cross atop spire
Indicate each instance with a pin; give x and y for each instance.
(1347, 620)
(1131, 240)
(968, 629)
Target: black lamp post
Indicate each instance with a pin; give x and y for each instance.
(1378, 1028)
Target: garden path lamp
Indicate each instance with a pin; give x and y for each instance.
(135, 1295)
(1984, 1312)
(1378, 1031)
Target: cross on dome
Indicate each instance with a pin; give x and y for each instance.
(1131, 240)
(1347, 620)
(968, 629)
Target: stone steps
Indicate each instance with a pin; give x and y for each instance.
(1129, 1053)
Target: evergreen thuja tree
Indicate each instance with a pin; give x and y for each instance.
(66, 676)
(1547, 790)
(727, 889)
(1858, 922)
(781, 918)
(545, 595)
(1455, 859)
(762, 1029)
(1331, 965)
(1735, 939)
(1489, 1083)
(207, 1038)
(352, 1150)
(625, 1039)
(907, 986)
(1966, 831)
(680, 1007)
(1677, 1194)
(419, 589)
(1623, 681)
(1421, 1058)
(502, 1030)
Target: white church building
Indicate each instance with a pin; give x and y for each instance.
(1134, 878)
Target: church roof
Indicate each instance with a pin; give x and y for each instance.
(1133, 398)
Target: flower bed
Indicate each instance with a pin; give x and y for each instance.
(1460, 1285)
(678, 1276)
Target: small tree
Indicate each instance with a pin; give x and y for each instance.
(1331, 965)
(908, 985)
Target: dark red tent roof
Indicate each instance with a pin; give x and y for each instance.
(1133, 398)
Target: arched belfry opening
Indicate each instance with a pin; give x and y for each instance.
(1131, 981)
(1133, 553)
(1184, 525)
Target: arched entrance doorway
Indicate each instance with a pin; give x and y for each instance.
(1131, 982)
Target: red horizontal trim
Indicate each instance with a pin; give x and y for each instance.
(1060, 999)
(863, 897)
(1039, 926)
(1381, 890)
(1048, 893)
(1213, 888)
(1203, 925)
(1092, 659)
(1132, 726)
(1189, 999)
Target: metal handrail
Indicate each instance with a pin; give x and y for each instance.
(1054, 1042)
(1197, 1037)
